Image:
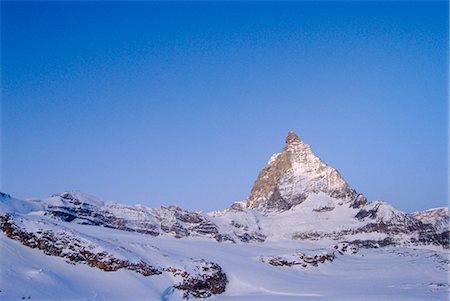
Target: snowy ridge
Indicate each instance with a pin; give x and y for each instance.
(438, 217)
(321, 217)
(75, 207)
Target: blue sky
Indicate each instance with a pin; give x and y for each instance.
(161, 103)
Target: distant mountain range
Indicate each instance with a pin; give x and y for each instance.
(296, 197)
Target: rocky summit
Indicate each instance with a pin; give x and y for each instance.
(293, 174)
(300, 214)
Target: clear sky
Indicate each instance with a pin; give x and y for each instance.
(161, 103)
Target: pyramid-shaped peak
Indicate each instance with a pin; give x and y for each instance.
(293, 174)
(292, 138)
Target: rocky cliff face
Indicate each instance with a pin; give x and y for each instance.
(292, 175)
(76, 207)
(74, 249)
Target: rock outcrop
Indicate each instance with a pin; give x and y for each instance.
(205, 280)
(199, 278)
(74, 249)
(300, 259)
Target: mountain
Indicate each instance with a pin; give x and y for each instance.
(438, 217)
(81, 229)
(292, 175)
(298, 196)
(300, 214)
(79, 208)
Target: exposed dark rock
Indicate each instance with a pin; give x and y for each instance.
(305, 260)
(187, 217)
(4, 195)
(324, 209)
(299, 259)
(63, 244)
(421, 234)
(208, 279)
(252, 237)
(278, 203)
(358, 201)
(362, 214)
(371, 244)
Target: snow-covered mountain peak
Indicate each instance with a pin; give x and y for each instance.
(381, 211)
(433, 212)
(438, 217)
(294, 173)
(75, 197)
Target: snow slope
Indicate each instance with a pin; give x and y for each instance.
(419, 273)
(28, 272)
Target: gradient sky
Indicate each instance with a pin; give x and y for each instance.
(161, 103)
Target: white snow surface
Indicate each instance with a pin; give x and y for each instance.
(391, 273)
(376, 274)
